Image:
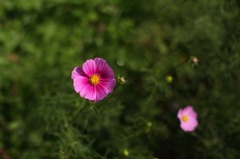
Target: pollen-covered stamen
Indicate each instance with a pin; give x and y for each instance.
(94, 79)
(184, 118)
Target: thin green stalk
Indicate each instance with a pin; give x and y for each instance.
(176, 67)
(79, 110)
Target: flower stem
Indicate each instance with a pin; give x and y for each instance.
(176, 67)
(79, 110)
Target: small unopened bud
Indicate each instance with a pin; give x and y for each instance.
(122, 80)
(169, 79)
(194, 60)
(148, 127)
(125, 152)
(149, 124)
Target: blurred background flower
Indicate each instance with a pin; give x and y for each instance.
(188, 118)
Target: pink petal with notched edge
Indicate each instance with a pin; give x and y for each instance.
(108, 85)
(77, 71)
(186, 127)
(103, 69)
(179, 115)
(100, 64)
(189, 126)
(89, 67)
(101, 93)
(189, 111)
(193, 114)
(88, 92)
(79, 82)
(107, 73)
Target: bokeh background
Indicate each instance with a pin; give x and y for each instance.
(41, 41)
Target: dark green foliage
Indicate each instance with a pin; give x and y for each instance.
(41, 41)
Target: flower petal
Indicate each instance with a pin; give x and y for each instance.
(179, 115)
(89, 67)
(88, 92)
(186, 127)
(190, 125)
(79, 82)
(193, 123)
(107, 85)
(100, 93)
(77, 71)
(100, 63)
(189, 111)
(103, 69)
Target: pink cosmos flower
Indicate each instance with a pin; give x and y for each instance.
(188, 118)
(94, 80)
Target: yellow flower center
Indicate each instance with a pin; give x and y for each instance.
(94, 79)
(184, 118)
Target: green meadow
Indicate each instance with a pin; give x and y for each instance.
(171, 53)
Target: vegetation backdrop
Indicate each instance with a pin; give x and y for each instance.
(150, 43)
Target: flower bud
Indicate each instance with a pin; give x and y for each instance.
(122, 80)
(169, 79)
(125, 152)
(194, 60)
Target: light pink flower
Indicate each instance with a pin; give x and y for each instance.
(188, 118)
(94, 80)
